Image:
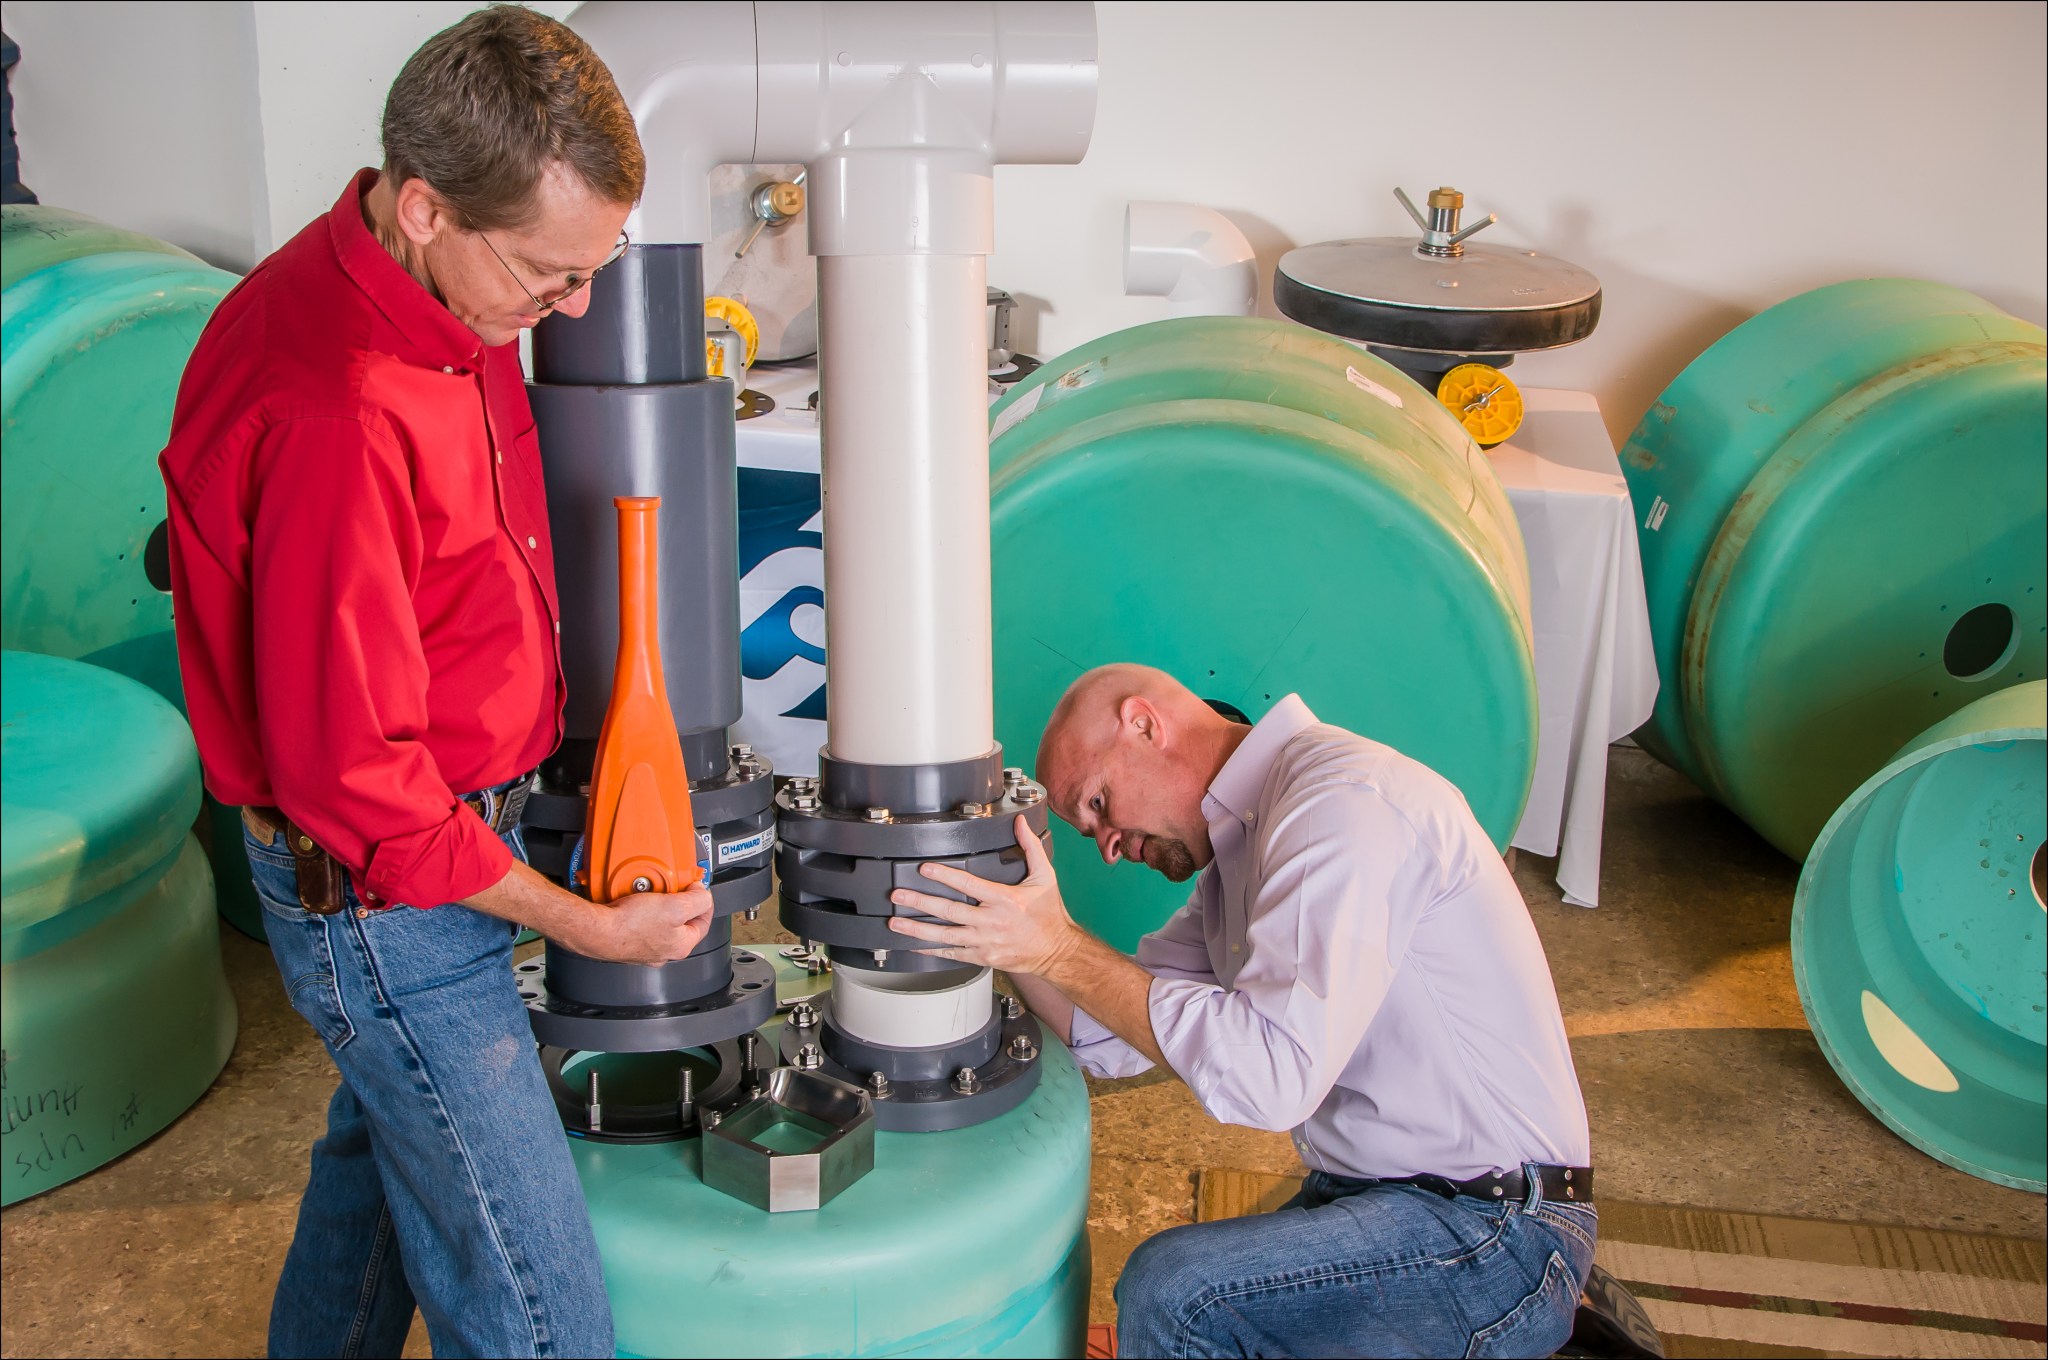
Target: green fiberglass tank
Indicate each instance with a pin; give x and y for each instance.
(35, 236)
(97, 324)
(1844, 529)
(114, 1010)
(968, 1242)
(1259, 510)
(1918, 939)
(94, 349)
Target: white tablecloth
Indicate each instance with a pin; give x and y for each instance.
(1596, 675)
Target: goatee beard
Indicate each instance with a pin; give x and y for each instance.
(1165, 855)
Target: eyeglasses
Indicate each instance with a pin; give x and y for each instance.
(576, 283)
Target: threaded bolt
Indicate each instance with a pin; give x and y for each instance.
(1012, 775)
(742, 753)
(1027, 794)
(803, 802)
(643, 884)
(878, 1085)
(972, 809)
(876, 814)
(1022, 1049)
(1012, 1008)
(966, 1081)
(881, 958)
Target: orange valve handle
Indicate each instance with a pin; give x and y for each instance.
(641, 834)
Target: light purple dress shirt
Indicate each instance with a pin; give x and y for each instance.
(1356, 965)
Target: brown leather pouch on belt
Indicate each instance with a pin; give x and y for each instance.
(322, 882)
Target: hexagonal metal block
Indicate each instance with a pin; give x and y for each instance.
(746, 1154)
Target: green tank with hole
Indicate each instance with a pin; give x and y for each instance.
(115, 1013)
(1920, 944)
(1257, 509)
(1843, 511)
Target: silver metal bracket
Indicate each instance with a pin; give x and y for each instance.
(839, 1119)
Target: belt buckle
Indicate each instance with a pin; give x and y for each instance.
(515, 801)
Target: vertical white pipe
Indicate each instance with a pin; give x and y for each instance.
(903, 391)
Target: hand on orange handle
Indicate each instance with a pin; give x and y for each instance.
(651, 928)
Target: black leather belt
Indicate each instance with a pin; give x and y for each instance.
(1569, 1184)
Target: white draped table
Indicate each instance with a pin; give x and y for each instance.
(1596, 675)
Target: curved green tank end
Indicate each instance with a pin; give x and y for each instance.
(114, 1010)
(1300, 532)
(1886, 567)
(971, 1242)
(94, 350)
(1918, 940)
(35, 236)
(1731, 411)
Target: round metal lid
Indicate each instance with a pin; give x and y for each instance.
(1490, 299)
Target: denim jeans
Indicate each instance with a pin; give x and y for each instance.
(444, 1180)
(1362, 1268)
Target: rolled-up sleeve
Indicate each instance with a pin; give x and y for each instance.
(1177, 950)
(341, 676)
(1327, 926)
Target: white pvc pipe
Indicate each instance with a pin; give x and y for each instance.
(902, 384)
(911, 1010)
(1192, 256)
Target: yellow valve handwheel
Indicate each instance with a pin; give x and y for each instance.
(734, 313)
(1485, 402)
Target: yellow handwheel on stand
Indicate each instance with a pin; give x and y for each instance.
(1485, 402)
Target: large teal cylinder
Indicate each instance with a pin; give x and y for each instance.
(35, 236)
(1918, 940)
(1843, 539)
(971, 1242)
(114, 1009)
(1258, 510)
(98, 323)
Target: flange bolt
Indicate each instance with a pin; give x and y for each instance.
(1012, 775)
(1022, 1049)
(803, 802)
(810, 1058)
(1012, 1008)
(803, 1015)
(753, 913)
(876, 814)
(973, 809)
(742, 753)
(966, 1081)
(1027, 794)
(878, 1085)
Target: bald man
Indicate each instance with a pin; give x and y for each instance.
(1354, 965)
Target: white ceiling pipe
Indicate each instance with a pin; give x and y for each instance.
(901, 113)
(1192, 256)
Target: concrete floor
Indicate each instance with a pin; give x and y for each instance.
(1704, 1085)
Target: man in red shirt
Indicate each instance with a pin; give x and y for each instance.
(368, 635)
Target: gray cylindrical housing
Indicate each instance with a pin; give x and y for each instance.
(645, 324)
(674, 441)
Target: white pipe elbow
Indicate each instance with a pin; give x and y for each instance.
(1192, 256)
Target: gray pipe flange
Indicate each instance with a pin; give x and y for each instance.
(968, 1095)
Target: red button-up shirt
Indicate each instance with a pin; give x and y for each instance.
(360, 563)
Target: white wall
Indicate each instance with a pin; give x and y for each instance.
(144, 115)
(322, 73)
(1704, 161)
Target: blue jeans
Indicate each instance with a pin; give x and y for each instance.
(1358, 1267)
(444, 1181)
